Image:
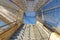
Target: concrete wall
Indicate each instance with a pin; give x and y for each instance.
(11, 10)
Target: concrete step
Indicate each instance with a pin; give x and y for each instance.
(30, 32)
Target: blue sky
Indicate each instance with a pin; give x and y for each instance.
(2, 23)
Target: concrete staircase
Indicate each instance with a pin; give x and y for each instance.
(30, 32)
